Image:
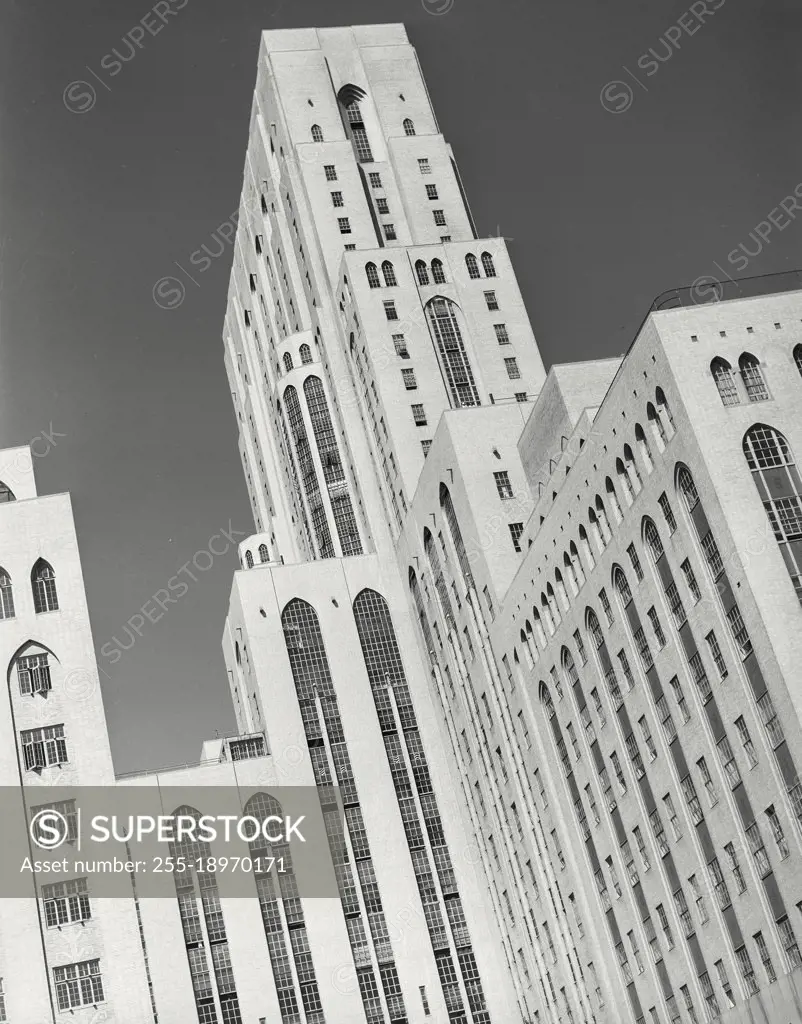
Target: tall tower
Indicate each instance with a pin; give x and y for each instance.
(362, 306)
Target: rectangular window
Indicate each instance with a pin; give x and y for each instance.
(410, 381)
(668, 512)
(765, 957)
(716, 655)
(643, 648)
(700, 677)
(375, 179)
(630, 678)
(431, 192)
(735, 868)
(344, 225)
(647, 738)
(684, 914)
(445, 238)
(673, 819)
(520, 396)
(770, 719)
(337, 199)
(724, 981)
(594, 810)
(746, 740)
(755, 841)
(503, 485)
(389, 309)
(747, 970)
(719, 884)
(690, 579)
(426, 445)
(789, 943)
(400, 345)
(738, 630)
(501, 334)
(701, 906)
(714, 562)
(659, 635)
(635, 561)
(707, 781)
(728, 762)
(666, 718)
(675, 604)
(350, 247)
(44, 747)
(78, 984)
(511, 365)
(692, 800)
(66, 903)
(619, 774)
(679, 696)
(419, 415)
(634, 755)
(382, 206)
(777, 831)
(423, 164)
(439, 218)
(389, 232)
(665, 925)
(491, 300)
(33, 673)
(331, 172)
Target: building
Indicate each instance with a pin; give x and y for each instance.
(542, 631)
(604, 624)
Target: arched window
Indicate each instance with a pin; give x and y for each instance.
(725, 382)
(569, 668)
(687, 487)
(372, 275)
(389, 274)
(287, 361)
(570, 571)
(592, 622)
(779, 485)
(546, 701)
(488, 265)
(357, 130)
(6, 494)
(576, 561)
(472, 265)
(333, 472)
(417, 600)
(433, 558)
(525, 642)
(752, 376)
(643, 446)
(652, 537)
(664, 408)
(798, 358)
(540, 632)
(308, 473)
(409, 127)
(447, 506)
(317, 133)
(548, 616)
(43, 583)
(612, 497)
(584, 543)
(438, 274)
(562, 593)
(442, 315)
(622, 586)
(305, 352)
(264, 555)
(531, 644)
(632, 472)
(656, 424)
(596, 531)
(604, 522)
(6, 596)
(249, 560)
(553, 605)
(421, 272)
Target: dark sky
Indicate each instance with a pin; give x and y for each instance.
(604, 211)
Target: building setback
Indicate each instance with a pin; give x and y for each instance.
(542, 631)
